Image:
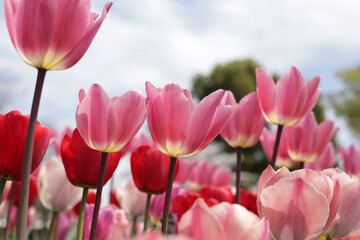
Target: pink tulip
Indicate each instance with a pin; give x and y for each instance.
(299, 205)
(223, 221)
(327, 159)
(159, 236)
(106, 222)
(108, 125)
(55, 191)
(351, 160)
(283, 159)
(185, 168)
(246, 123)
(131, 199)
(289, 100)
(56, 138)
(137, 141)
(205, 173)
(122, 226)
(307, 140)
(177, 127)
(353, 236)
(348, 213)
(52, 35)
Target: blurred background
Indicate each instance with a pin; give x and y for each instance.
(203, 45)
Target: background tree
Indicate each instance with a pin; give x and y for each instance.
(347, 101)
(239, 77)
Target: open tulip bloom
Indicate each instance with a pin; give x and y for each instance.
(181, 129)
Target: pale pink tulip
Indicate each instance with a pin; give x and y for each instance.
(122, 226)
(160, 236)
(55, 191)
(177, 127)
(307, 140)
(351, 160)
(108, 125)
(289, 100)
(223, 221)
(52, 35)
(299, 205)
(246, 123)
(131, 199)
(353, 236)
(185, 168)
(283, 159)
(327, 159)
(105, 226)
(205, 173)
(348, 214)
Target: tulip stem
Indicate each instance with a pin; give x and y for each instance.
(276, 146)
(169, 186)
(146, 217)
(301, 165)
(28, 153)
(238, 173)
(51, 228)
(99, 188)
(2, 186)
(80, 225)
(133, 231)
(11, 203)
(328, 238)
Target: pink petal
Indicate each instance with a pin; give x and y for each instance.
(313, 93)
(265, 88)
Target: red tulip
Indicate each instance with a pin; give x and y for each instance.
(289, 100)
(52, 35)
(82, 164)
(150, 169)
(33, 191)
(90, 199)
(13, 130)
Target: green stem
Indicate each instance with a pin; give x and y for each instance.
(28, 153)
(276, 146)
(133, 231)
(11, 203)
(104, 156)
(53, 218)
(328, 238)
(169, 186)
(238, 174)
(2, 186)
(80, 225)
(146, 217)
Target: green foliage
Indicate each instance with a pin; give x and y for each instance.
(347, 102)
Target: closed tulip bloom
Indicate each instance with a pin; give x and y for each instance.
(150, 169)
(82, 163)
(13, 130)
(299, 205)
(327, 159)
(52, 35)
(33, 191)
(289, 100)
(351, 160)
(177, 126)
(246, 123)
(108, 125)
(307, 140)
(56, 193)
(106, 222)
(223, 221)
(137, 141)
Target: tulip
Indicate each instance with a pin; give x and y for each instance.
(13, 129)
(137, 141)
(90, 199)
(33, 191)
(108, 125)
(76, 154)
(223, 221)
(351, 159)
(52, 35)
(299, 205)
(56, 138)
(307, 140)
(106, 222)
(283, 159)
(159, 236)
(327, 159)
(185, 168)
(121, 230)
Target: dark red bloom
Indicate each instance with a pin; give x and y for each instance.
(33, 193)
(82, 164)
(13, 130)
(150, 169)
(248, 200)
(216, 195)
(183, 202)
(113, 199)
(90, 199)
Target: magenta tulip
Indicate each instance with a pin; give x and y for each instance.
(299, 205)
(351, 159)
(108, 125)
(177, 127)
(307, 140)
(52, 35)
(246, 123)
(223, 221)
(289, 100)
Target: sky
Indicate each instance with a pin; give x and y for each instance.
(165, 41)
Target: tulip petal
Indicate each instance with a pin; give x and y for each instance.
(265, 88)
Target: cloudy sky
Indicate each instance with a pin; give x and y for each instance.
(170, 41)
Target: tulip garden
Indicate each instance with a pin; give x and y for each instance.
(300, 195)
